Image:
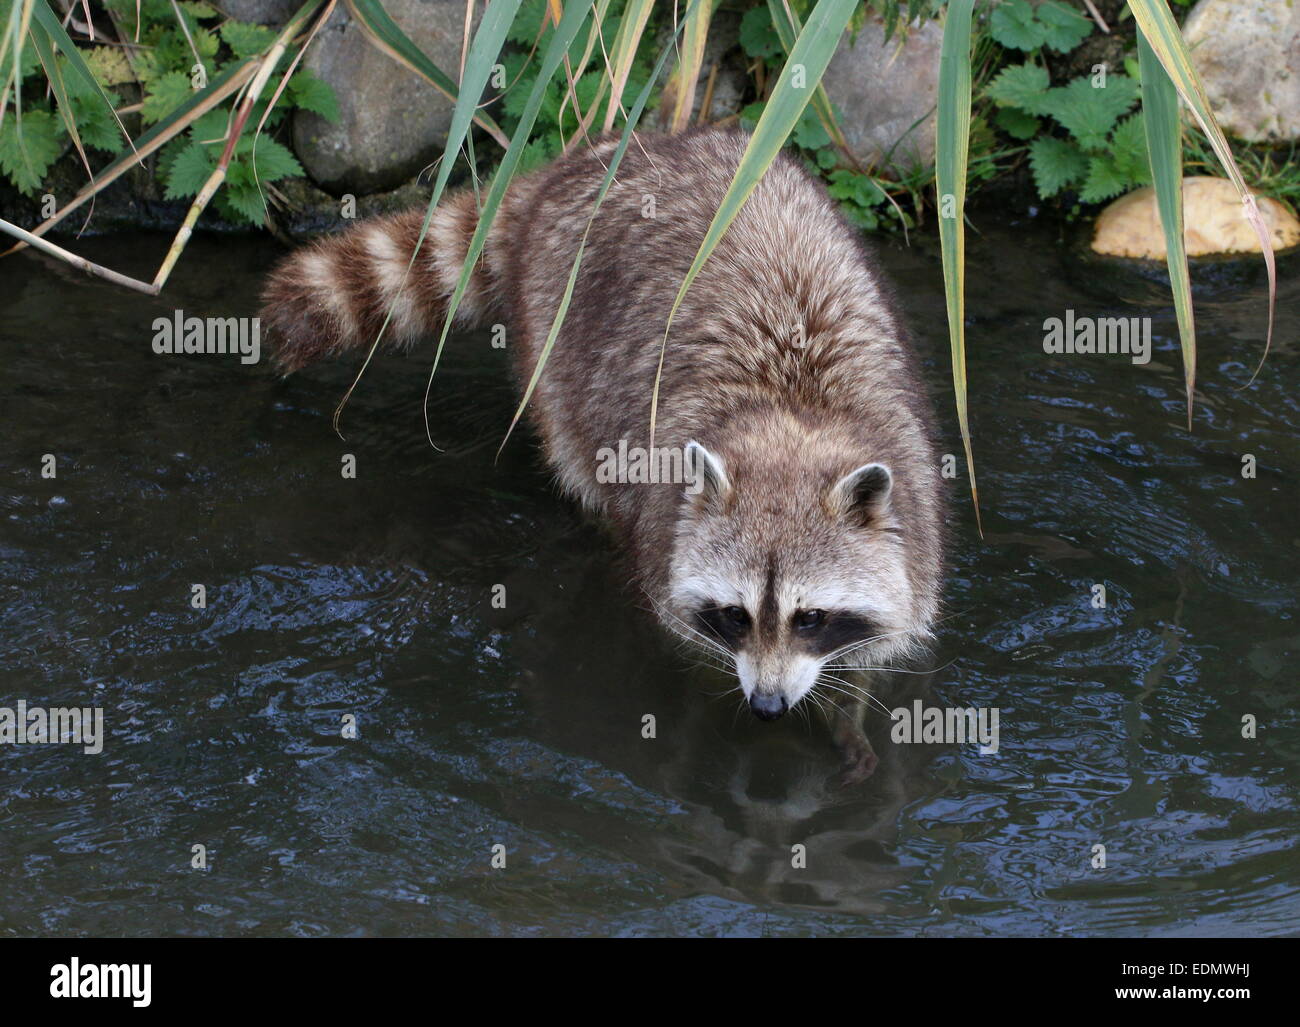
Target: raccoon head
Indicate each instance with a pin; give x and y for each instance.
(789, 570)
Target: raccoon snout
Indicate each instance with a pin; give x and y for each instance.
(770, 706)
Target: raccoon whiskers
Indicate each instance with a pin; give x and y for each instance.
(691, 653)
(695, 650)
(889, 670)
(699, 661)
(803, 711)
(822, 703)
(854, 647)
(866, 699)
(697, 655)
(879, 670)
(689, 634)
(740, 708)
(854, 692)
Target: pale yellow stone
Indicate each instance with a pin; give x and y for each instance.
(1214, 221)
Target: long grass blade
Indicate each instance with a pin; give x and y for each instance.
(54, 76)
(574, 72)
(679, 93)
(786, 22)
(48, 20)
(14, 29)
(1158, 28)
(560, 41)
(11, 47)
(279, 91)
(1164, 130)
(623, 53)
(794, 88)
(952, 151)
(256, 72)
(633, 117)
(267, 64)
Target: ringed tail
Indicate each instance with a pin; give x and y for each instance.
(332, 295)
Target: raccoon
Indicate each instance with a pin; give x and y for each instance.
(802, 537)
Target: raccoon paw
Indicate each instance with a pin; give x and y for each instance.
(859, 762)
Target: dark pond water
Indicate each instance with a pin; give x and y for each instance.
(1120, 726)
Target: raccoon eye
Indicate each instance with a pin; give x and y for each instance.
(807, 619)
(736, 615)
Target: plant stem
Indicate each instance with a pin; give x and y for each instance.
(90, 267)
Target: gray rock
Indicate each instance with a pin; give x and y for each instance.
(1247, 53)
(888, 93)
(392, 122)
(261, 12)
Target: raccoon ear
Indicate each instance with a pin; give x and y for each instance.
(706, 478)
(863, 493)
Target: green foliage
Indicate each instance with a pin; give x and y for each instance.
(1015, 27)
(29, 61)
(29, 144)
(1082, 139)
(557, 121)
(1082, 135)
(1100, 155)
(186, 169)
(1056, 163)
(528, 24)
(1018, 26)
(1064, 28)
(95, 123)
(164, 93)
(860, 197)
(309, 93)
(173, 61)
(863, 199)
(759, 38)
(1018, 123)
(1021, 86)
(246, 40)
(1087, 110)
(758, 35)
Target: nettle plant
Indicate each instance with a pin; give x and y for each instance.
(181, 48)
(183, 58)
(33, 138)
(1085, 134)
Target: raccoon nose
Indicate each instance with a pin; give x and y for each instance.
(768, 706)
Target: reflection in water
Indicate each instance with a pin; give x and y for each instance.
(1121, 725)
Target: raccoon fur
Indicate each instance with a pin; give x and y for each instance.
(803, 538)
